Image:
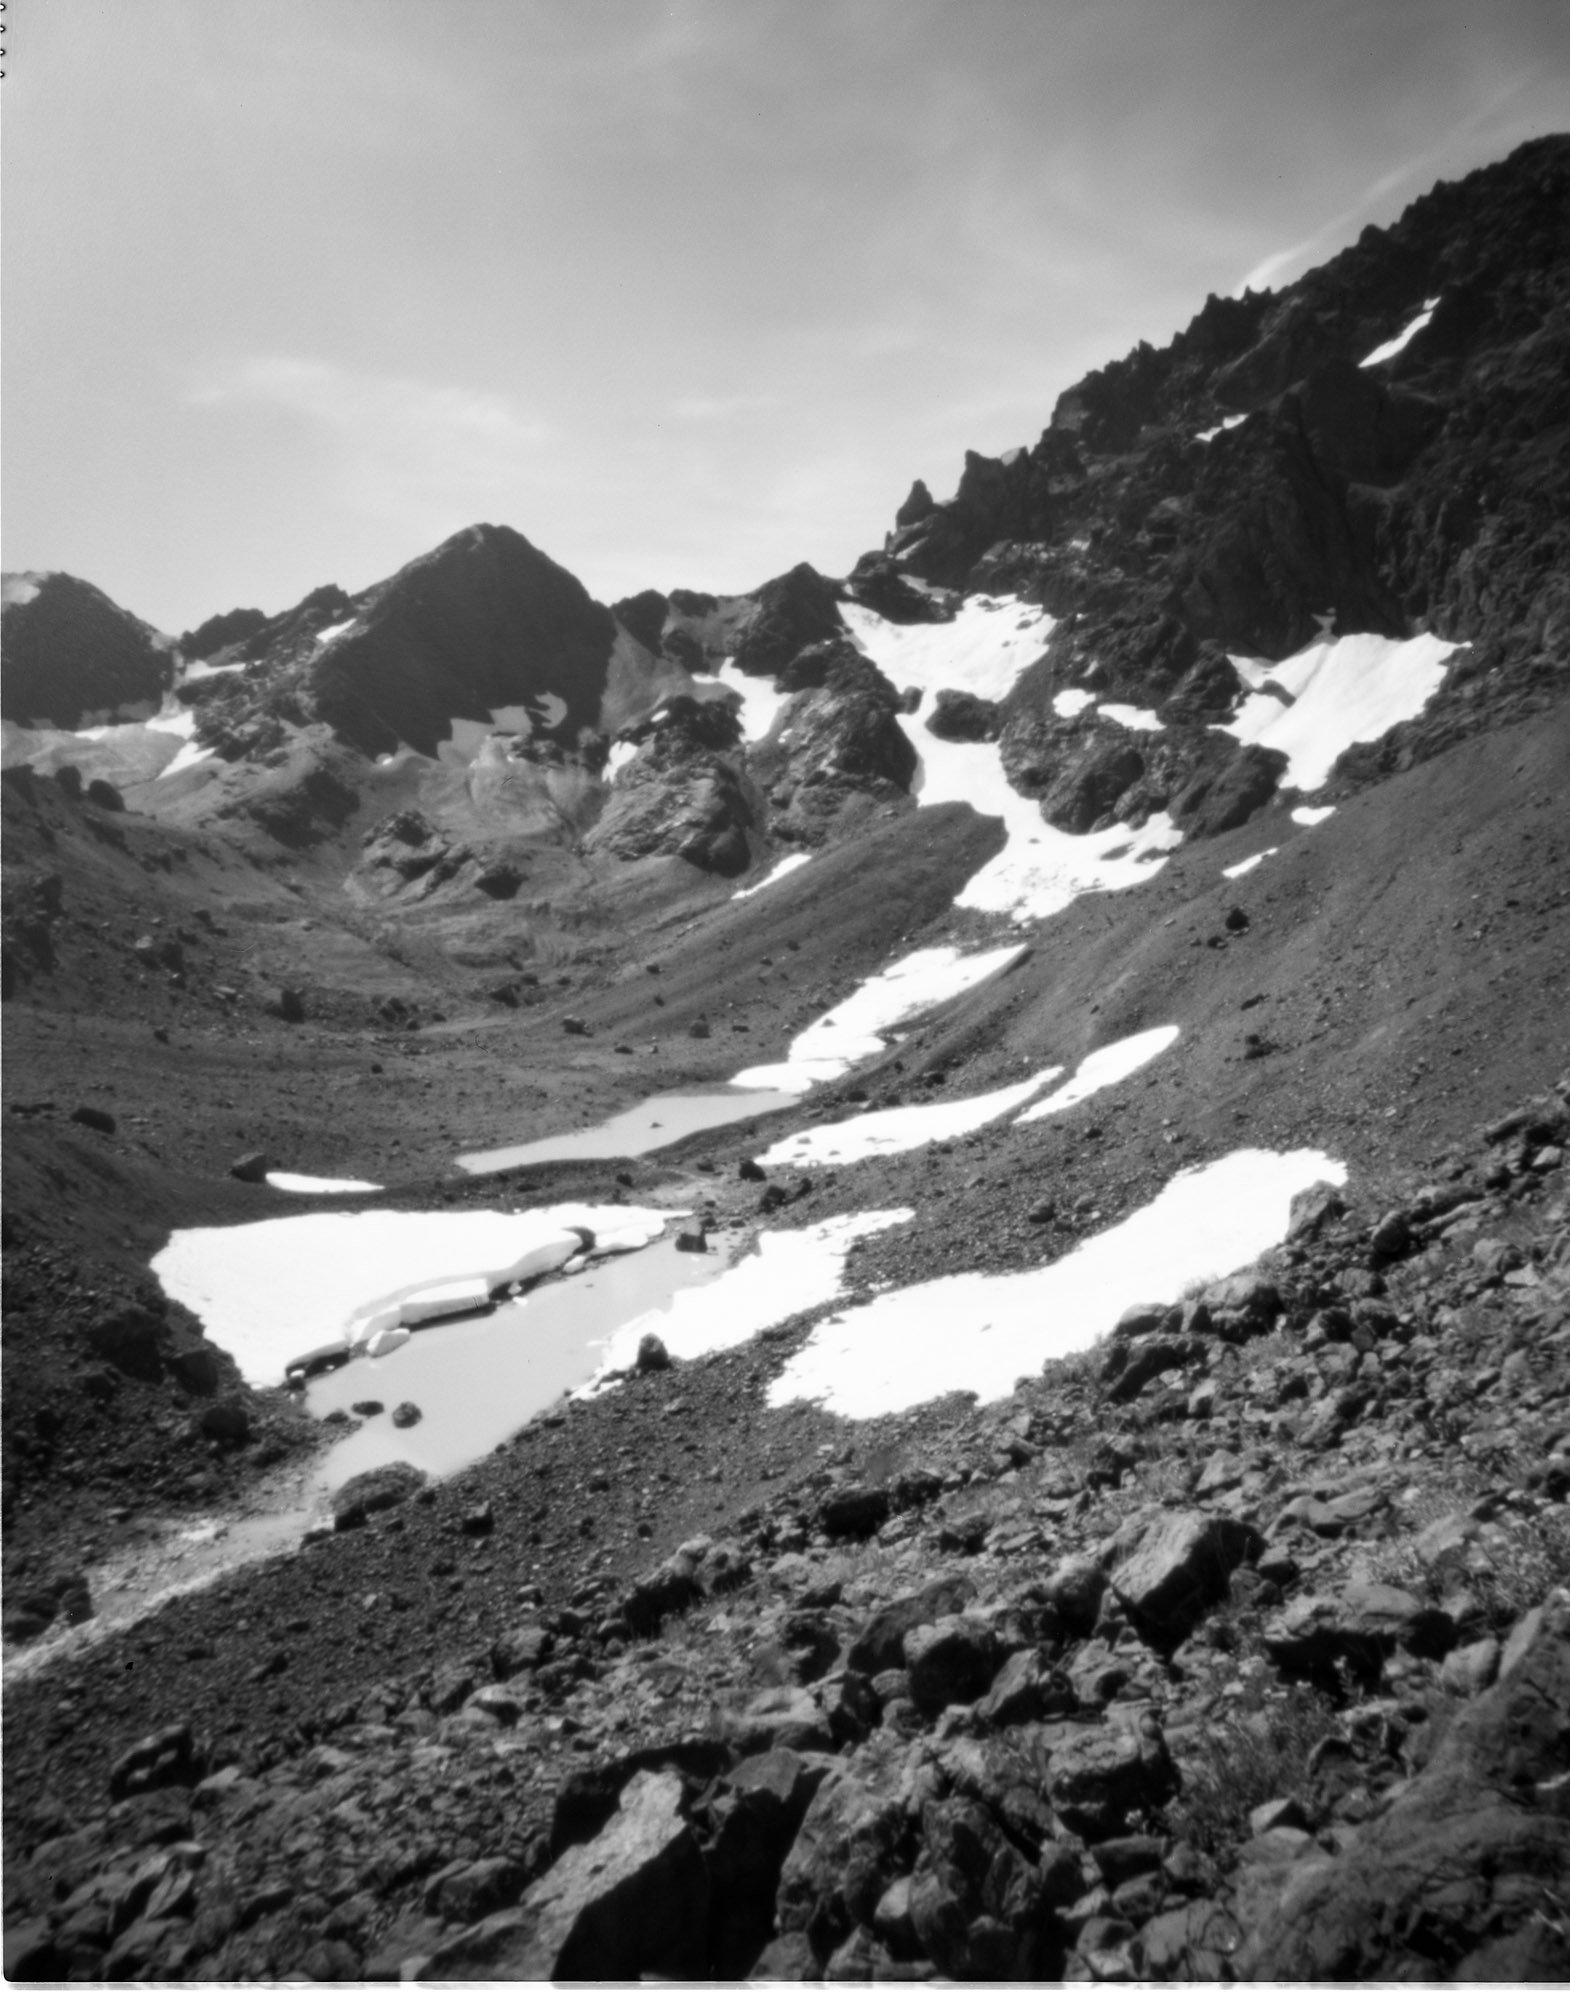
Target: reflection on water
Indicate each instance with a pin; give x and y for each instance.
(656, 1122)
(476, 1381)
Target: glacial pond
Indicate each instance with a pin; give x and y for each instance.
(656, 1122)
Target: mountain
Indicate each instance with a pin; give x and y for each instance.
(1110, 1519)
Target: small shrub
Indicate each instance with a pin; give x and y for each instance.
(1247, 1760)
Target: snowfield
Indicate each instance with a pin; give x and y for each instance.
(1335, 693)
(876, 1134)
(855, 1029)
(979, 1333)
(1101, 1070)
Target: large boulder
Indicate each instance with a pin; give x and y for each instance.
(1181, 1564)
(629, 1904)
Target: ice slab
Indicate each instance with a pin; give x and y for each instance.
(1105, 1067)
(980, 1332)
(268, 1291)
(875, 1134)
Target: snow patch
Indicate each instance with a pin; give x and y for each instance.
(1226, 424)
(1132, 718)
(980, 1333)
(1072, 702)
(21, 588)
(314, 1184)
(268, 1291)
(1335, 693)
(1107, 1066)
(790, 1271)
(1390, 348)
(330, 632)
(1247, 867)
(786, 866)
(1311, 815)
(853, 1030)
(983, 650)
(621, 756)
(186, 758)
(876, 1134)
(761, 701)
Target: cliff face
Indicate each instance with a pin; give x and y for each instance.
(1268, 470)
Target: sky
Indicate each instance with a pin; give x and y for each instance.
(687, 291)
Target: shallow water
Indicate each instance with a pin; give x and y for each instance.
(476, 1381)
(656, 1122)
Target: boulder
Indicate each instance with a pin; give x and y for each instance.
(854, 1511)
(879, 1647)
(168, 1757)
(1180, 1566)
(631, 1903)
(960, 717)
(1102, 1779)
(1316, 1634)
(755, 1815)
(252, 1167)
(953, 1660)
(373, 1492)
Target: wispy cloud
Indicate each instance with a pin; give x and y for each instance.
(396, 446)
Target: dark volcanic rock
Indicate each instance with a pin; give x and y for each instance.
(793, 611)
(71, 653)
(959, 717)
(371, 1492)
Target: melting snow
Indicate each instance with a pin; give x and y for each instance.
(1247, 867)
(313, 1184)
(790, 1271)
(621, 755)
(1073, 701)
(855, 1028)
(1107, 1066)
(980, 1333)
(268, 1291)
(1391, 348)
(1338, 692)
(787, 866)
(20, 589)
(1226, 424)
(1311, 815)
(330, 632)
(900, 1130)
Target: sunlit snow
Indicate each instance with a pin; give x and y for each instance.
(1226, 424)
(268, 1291)
(855, 1028)
(1247, 867)
(1338, 692)
(1390, 348)
(1311, 815)
(983, 651)
(330, 632)
(314, 1184)
(761, 701)
(621, 755)
(981, 1332)
(901, 1128)
(1131, 718)
(785, 866)
(1072, 702)
(789, 1271)
(1102, 1069)
(1040, 870)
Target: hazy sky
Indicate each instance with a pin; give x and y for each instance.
(686, 290)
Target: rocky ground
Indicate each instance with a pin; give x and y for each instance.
(1232, 1647)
